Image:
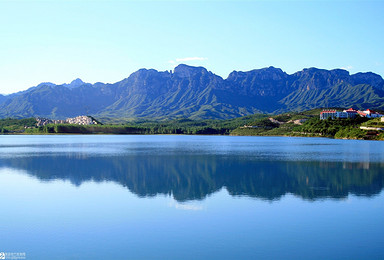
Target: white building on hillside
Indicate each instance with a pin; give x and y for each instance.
(349, 113)
(372, 114)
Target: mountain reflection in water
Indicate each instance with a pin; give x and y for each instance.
(194, 177)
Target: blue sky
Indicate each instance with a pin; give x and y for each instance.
(58, 41)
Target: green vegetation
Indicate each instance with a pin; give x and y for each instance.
(179, 126)
(11, 125)
(84, 129)
(342, 128)
(351, 133)
(374, 123)
(329, 127)
(188, 126)
(283, 124)
(289, 124)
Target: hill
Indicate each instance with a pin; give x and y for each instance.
(196, 93)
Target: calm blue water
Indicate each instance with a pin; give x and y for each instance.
(191, 197)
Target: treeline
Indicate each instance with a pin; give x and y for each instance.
(12, 125)
(84, 129)
(187, 127)
(113, 129)
(190, 127)
(178, 126)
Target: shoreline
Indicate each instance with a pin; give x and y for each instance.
(233, 135)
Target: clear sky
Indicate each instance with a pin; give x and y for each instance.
(58, 41)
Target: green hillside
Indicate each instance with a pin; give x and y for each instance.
(198, 94)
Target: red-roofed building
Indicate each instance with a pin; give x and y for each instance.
(351, 113)
(328, 113)
(372, 114)
(348, 113)
(362, 114)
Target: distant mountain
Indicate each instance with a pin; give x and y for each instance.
(196, 93)
(2, 98)
(76, 83)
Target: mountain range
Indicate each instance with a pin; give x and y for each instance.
(196, 93)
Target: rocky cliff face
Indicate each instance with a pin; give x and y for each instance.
(264, 82)
(368, 78)
(196, 93)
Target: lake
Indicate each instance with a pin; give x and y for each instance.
(191, 197)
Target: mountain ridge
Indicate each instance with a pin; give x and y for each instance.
(196, 93)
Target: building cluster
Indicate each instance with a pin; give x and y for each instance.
(79, 120)
(348, 113)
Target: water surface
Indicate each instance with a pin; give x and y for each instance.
(191, 197)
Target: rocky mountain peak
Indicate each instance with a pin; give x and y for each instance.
(270, 73)
(184, 71)
(368, 78)
(76, 83)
